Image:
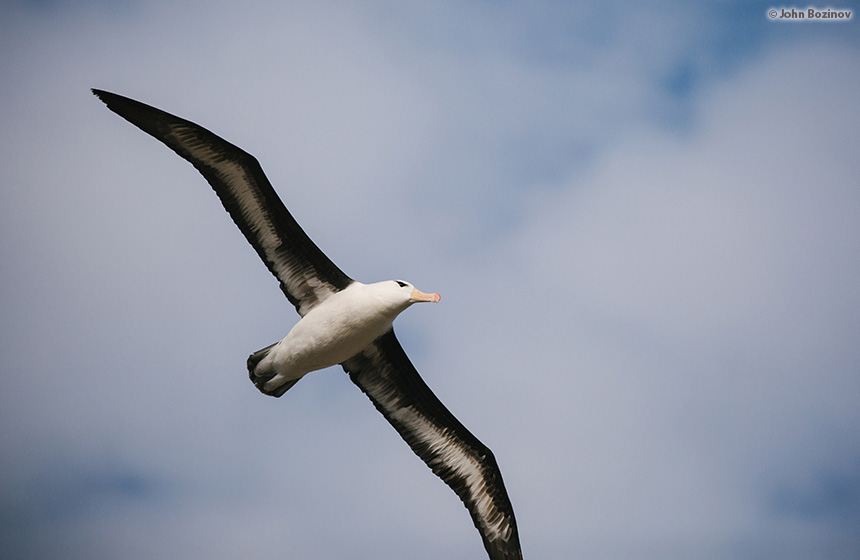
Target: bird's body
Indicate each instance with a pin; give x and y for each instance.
(336, 329)
(342, 322)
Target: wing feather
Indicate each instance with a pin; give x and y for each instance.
(385, 374)
(306, 274)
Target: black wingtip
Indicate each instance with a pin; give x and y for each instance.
(101, 94)
(114, 101)
(143, 116)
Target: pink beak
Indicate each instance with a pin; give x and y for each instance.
(418, 295)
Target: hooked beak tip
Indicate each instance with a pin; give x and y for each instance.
(418, 295)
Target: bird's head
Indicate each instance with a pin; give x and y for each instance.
(398, 295)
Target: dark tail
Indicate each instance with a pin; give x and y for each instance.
(262, 378)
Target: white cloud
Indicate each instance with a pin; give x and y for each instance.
(651, 390)
(680, 324)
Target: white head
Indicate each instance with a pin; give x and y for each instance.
(399, 295)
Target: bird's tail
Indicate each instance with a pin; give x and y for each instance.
(267, 381)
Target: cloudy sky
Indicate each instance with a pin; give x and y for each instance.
(643, 222)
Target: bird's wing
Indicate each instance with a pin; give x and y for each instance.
(385, 374)
(306, 275)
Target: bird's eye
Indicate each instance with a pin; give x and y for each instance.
(401, 284)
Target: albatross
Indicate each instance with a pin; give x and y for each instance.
(342, 321)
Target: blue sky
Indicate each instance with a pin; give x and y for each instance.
(642, 221)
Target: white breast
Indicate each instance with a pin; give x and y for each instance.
(335, 330)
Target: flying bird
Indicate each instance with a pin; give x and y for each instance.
(342, 322)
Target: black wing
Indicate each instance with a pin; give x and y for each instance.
(306, 275)
(385, 374)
